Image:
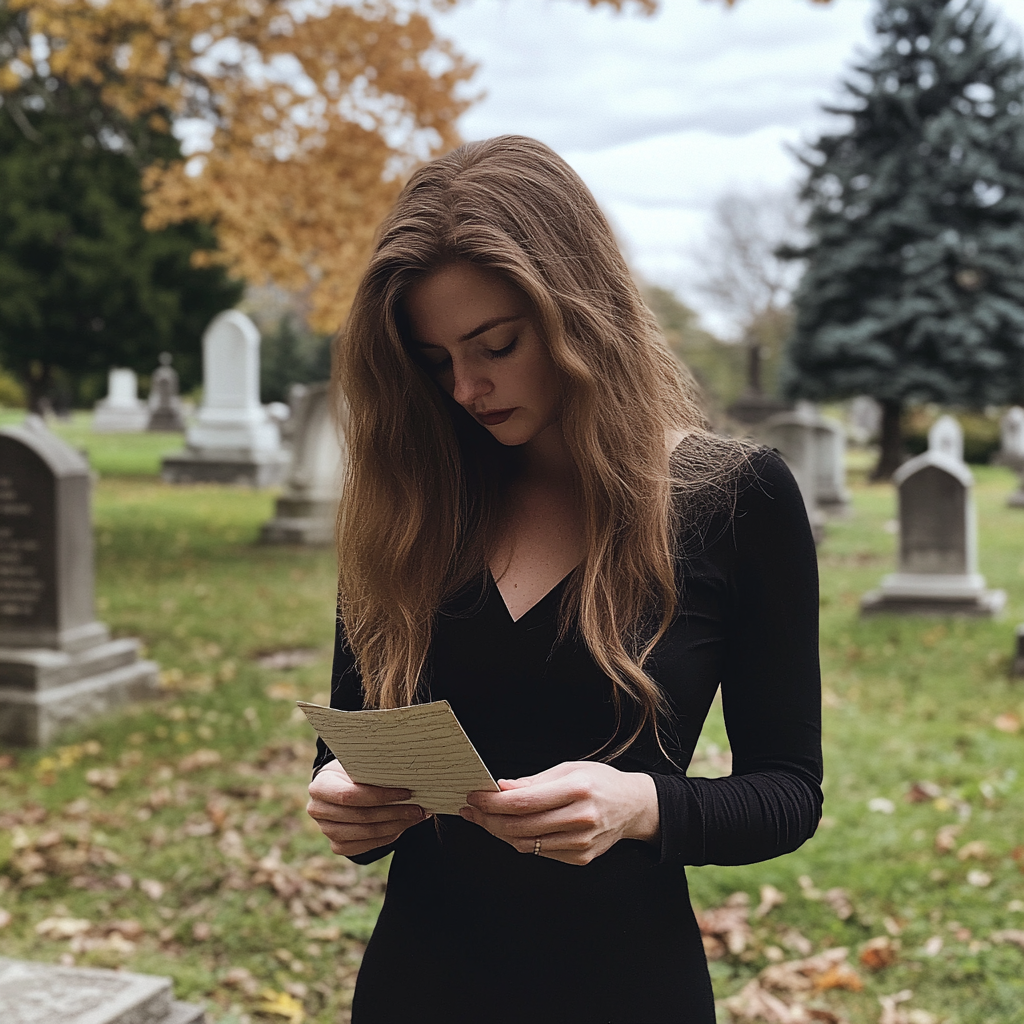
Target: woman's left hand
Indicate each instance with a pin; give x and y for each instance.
(578, 810)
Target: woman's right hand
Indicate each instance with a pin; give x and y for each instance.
(357, 818)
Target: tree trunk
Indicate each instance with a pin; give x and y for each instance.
(890, 449)
(753, 368)
(40, 384)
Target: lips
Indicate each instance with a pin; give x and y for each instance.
(492, 419)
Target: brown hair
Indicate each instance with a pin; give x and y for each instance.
(420, 511)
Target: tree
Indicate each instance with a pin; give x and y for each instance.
(741, 274)
(83, 285)
(914, 288)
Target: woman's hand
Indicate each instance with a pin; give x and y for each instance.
(357, 818)
(577, 810)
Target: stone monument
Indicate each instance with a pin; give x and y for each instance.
(865, 418)
(35, 993)
(233, 440)
(830, 468)
(937, 572)
(305, 513)
(164, 403)
(58, 665)
(120, 412)
(1011, 450)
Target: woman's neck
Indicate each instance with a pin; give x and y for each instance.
(547, 459)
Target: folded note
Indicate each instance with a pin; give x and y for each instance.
(422, 748)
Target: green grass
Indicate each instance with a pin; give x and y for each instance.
(244, 873)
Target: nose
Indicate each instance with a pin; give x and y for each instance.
(469, 384)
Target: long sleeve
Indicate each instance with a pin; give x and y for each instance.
(346, 695)
(771, 686)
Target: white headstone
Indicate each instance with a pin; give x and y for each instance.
(121, 411)
(947, 437)
(830, 467)
(938, 537)
(1011, 450)
(165, 412)
(865, 419)
(233, 439)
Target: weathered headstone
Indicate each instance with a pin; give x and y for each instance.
(830, 468)
(37, 993)
(58, 665)
(946, 436)
(865, 415)
(1011, 450)
(164, 403)
(305, 513)
(233, 440)
(121, 412)
(937, 572)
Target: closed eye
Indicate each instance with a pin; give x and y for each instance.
(500, 353)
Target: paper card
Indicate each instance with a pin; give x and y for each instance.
(422, 748)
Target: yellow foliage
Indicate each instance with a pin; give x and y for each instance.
(281, 1004)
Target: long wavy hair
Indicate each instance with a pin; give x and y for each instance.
(421, 513)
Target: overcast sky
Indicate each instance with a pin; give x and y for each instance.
(662, 114)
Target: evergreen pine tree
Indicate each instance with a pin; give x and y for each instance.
(914, 285)
(83, 286)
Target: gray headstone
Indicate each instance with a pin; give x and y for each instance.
(865, 416)
(120, 412)
(58, 665)
(165, 413)
(305, 513)
(830, 491)
(37, 993)
(938, 558)
(233, 439)
(1011, 450)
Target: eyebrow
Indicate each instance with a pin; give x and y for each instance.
(495, 321)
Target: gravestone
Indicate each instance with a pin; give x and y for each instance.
(830, 468)
(946, 436)
(865, 416)
(164, 402)
(305, 513)
(937, 572)
(37, 993)
(233, 441)
(58, 665)
(120, 412)
(1011, 450)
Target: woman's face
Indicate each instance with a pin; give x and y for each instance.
(474, 333)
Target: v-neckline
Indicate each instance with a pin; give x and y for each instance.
(536, 604)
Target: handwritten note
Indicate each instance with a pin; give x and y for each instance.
(422, 748)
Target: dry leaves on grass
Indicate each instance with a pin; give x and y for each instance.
(1012, 935)
(1008, 722)
(893, 1012)
(282, 1004)
(770, 899)
(726, 928)
(880, 952)
(780, 994)
(55, 853)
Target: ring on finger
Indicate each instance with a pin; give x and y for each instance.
(536, 847)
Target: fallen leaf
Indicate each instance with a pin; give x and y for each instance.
(933, 947)
(242, 979)
(839, 976)
(62, 927)
(282, 1004)
(1014, 935)
(770, 899)
(103, 778)
(282, 691)
(890, 1013)
(807, 888)
(977, 849)
(792, 939)
(881, 805)
(1008, 722)
(879, 952)
(729, 923)
(839, 902)
(152, 888)
(945, 838)
(201, 758)
(921, 792)
(201, 931)
(5, 917)
(979, 879)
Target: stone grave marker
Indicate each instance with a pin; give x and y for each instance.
(937, 572)
(830, 491)
(947, 437)
(233, 440)
(1011, 450)
(120, 412)
(305, 513)
(58, 665)
(865, 415)
(37, 993)
(165, 412)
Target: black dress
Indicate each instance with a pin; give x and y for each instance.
(472, 931)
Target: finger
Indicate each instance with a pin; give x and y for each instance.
(321, 810)
(539, 796)
(512, 826)
(376, 832)
(353, 849)
(339, 789)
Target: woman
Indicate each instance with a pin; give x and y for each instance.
(537, 528)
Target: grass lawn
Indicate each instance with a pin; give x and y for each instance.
(172, 839)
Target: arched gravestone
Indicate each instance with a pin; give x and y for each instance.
(233, 439)
(305, 513)
(938, 557)
(1011, 450)
(120, 412)
(58, 665)
(164, 404)
(946, 436)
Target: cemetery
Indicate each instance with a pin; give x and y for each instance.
(169, 839)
